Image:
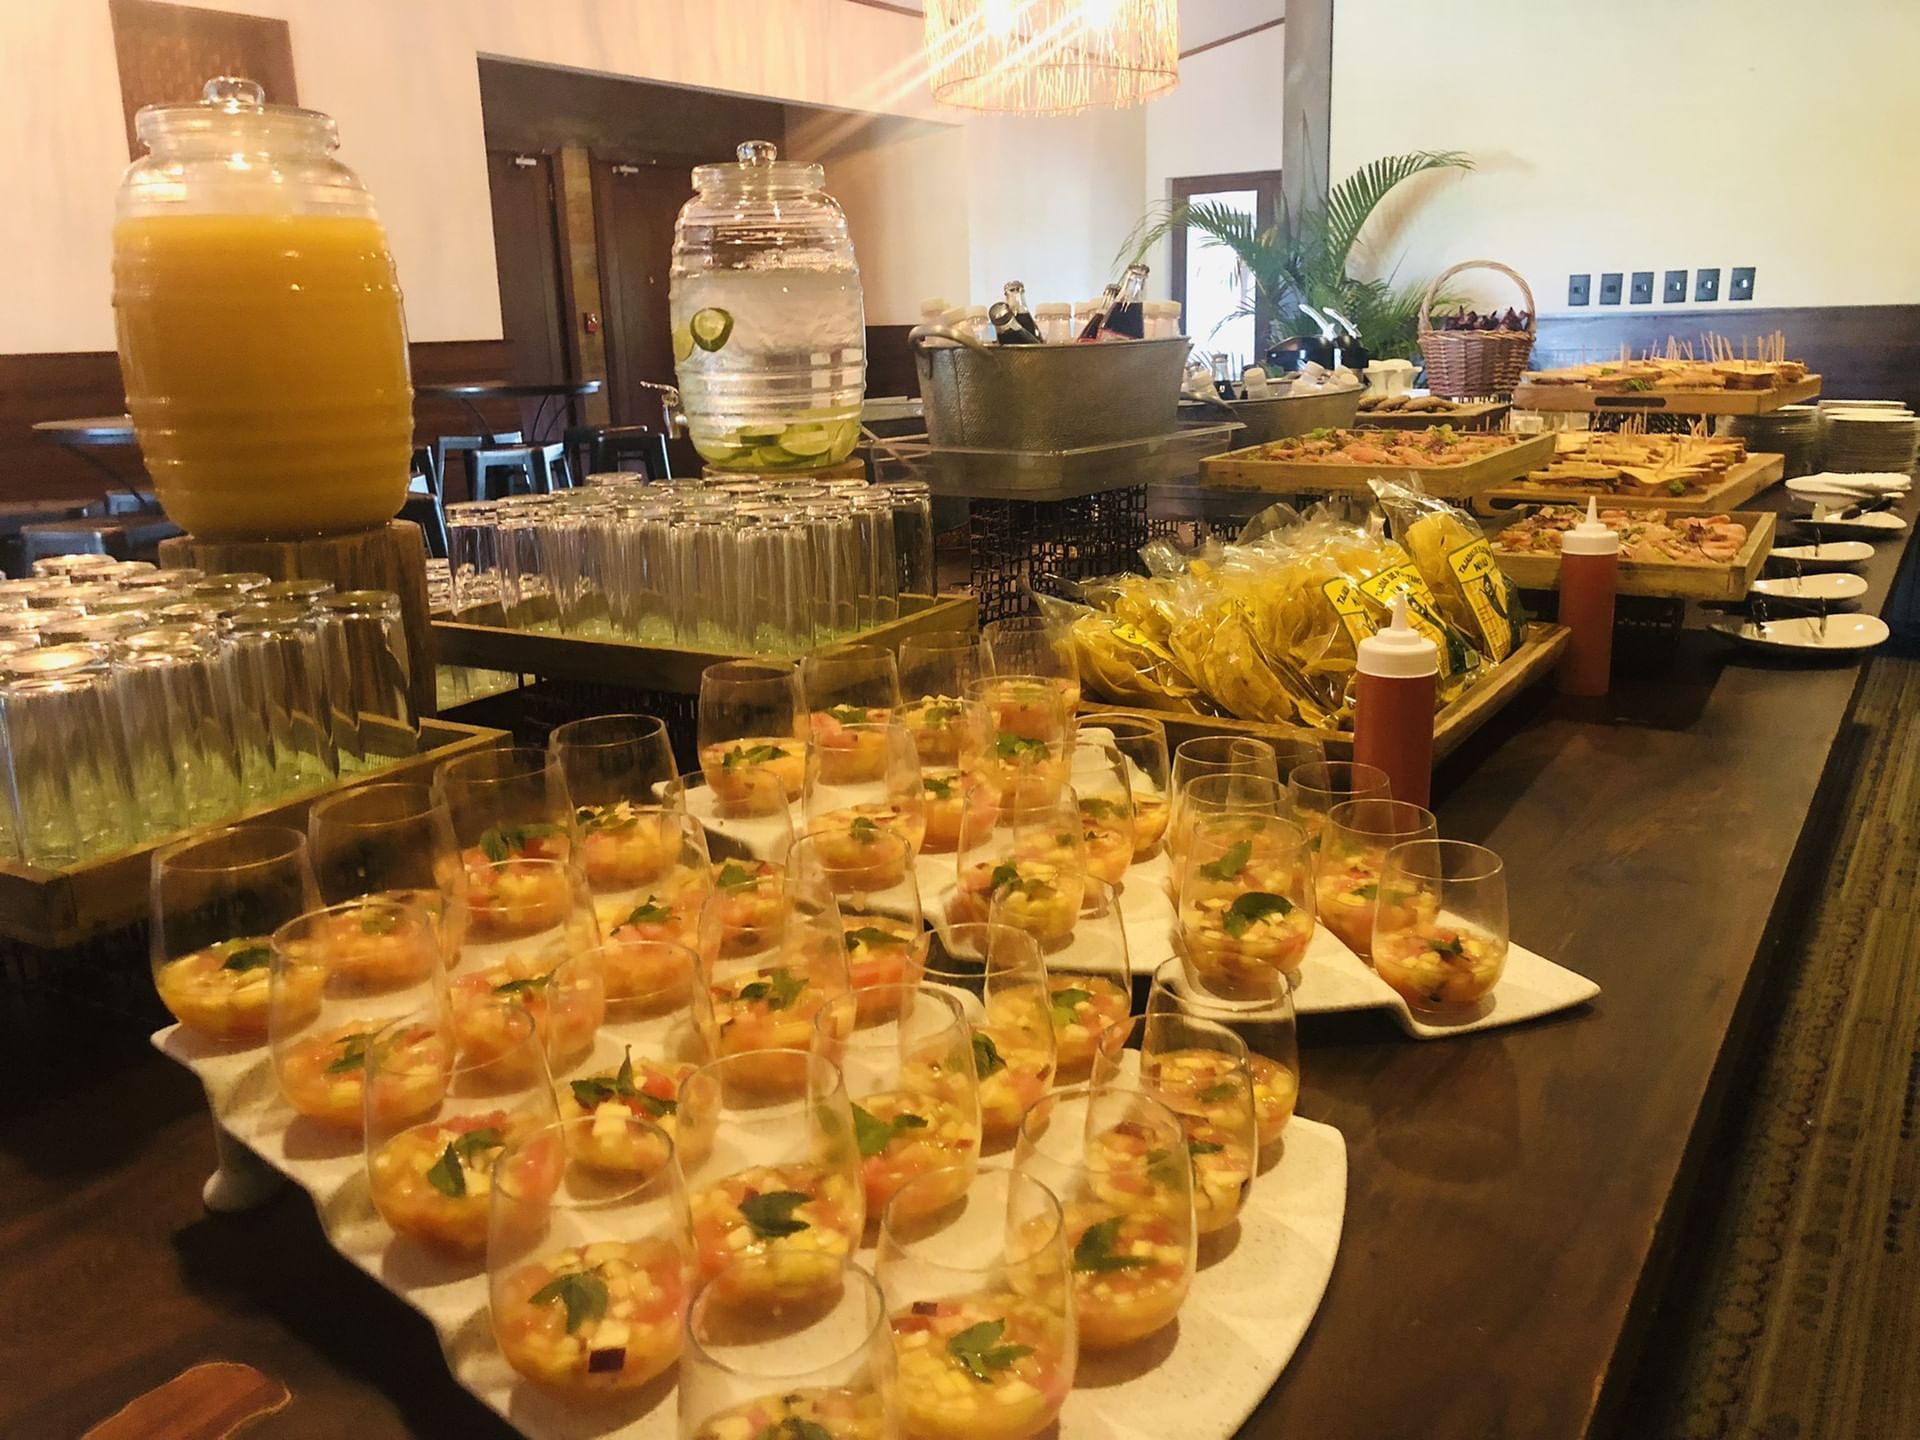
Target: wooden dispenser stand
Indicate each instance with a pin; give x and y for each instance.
(392, 557)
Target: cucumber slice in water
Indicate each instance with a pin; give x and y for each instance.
(807, 441)
(710, 328)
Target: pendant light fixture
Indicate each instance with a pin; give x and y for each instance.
(1051, 57)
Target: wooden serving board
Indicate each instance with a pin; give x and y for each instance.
(53, 909)
(1473, 415)
(1665, 402)
(1740, 484)
(1669, 580)
(668, 668)
(1536, 658)
(1246, 470)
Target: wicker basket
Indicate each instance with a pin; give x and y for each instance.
(1469, 364)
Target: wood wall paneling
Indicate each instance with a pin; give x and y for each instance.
(167, 53)
(890, 362)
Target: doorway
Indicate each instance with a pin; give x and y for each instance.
(533, 283)
(634, 207)
(1205, 279)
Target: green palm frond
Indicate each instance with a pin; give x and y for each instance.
(1351, 203)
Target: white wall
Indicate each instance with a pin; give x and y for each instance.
(1646, 135)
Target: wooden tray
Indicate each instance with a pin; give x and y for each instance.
(1244, 470)
(668, 668)
(1669, 402)
(1740, 484)
(1532, 662)
(1473, 415)
(1670, 580)
(53, 909)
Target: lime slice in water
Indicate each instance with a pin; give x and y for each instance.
(807, 441)
(710, 327)
(682, 343)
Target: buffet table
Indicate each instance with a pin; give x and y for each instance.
(1515, 1195)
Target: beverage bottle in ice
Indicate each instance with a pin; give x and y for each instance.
(1096, 322)
(1015, 294)
(1223, 376)
(1128, 317)
(1006, 325)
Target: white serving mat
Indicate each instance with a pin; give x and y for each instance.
(1250, 1306)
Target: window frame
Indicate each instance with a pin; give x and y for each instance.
(1265, 185)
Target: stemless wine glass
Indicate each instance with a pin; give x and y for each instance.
(935, 671)
(1266, 1023)
(801, 1370)
(340, 977)
(615, 766)
(430, 1175)
(996, 974)
(1089, 979)
(1202, 1071)
(750, 720)
(866, 773)
(1149, 771)
(506, 803)
(1117, 1160)
(658, 898)
(877, 895)
(976, 1282)
(906, 1054)
(588, 1269)
(1353, 849)
(772, 1168)
(1002, 709)
(943, 791)
(1031, 645)
(747, 817)
(849, 685)
(1440, 925)
(525, 914)
(772, 952)
(1099, 776)
(1315, 788)
(1245, 902)
(1213, 755)
(391, 839)
(562, 990)
(216, 901)
(1028, 858)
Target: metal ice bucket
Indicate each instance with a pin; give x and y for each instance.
(1045, 397)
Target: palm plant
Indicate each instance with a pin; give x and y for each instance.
(1308, 257)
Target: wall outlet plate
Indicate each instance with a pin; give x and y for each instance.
(1740, 284)
(1706, 284)
(1676, 291)
(1610, 287)
(1578, 287)
(1642, 292)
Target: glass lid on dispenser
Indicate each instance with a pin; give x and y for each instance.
(233, 114)
(760, 170)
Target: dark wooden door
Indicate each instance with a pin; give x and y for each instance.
(634, 208)
(526, 252)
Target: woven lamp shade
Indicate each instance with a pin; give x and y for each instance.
(1051, 57)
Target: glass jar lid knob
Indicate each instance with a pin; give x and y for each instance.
(756, 152)
(234, 93)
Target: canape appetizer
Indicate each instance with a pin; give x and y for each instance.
(323, 1075)
(624, 844)
(809, 1414)
(1083, 1006)
(1438, 964)
(647, 1090)
(728, 764)
(980, 1367)
(434, 1181)
(787, 1229)
(221, 991)
(850, 756)
(605, 1316)
(507, 898)
(911, 1131)
(636, 960)
(1131, 1271)
(765, 1009)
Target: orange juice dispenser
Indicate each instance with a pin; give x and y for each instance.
(261, 337)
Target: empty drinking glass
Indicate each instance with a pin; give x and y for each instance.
(364, 643)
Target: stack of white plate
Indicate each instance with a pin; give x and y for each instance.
(1792, 431)
(1873, 438)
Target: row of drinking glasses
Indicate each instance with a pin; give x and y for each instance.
(138, 704)
(758, 566)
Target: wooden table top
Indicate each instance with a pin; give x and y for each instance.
(1503, 1242)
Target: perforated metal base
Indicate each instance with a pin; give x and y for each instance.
(1015, 542)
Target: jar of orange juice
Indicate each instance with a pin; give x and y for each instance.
(262, 342)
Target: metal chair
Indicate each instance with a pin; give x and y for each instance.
(426, 503)
(539, 469)
(448, 445)
(611, 446)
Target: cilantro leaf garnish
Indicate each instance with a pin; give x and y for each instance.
(751, 755)
(1225, 1090)
(449, 1175)
(1204, 1147)
(379, 922)
(986, 1056)
(1004, 874)
(937, 786)
(604, 819)
(873, 937)
(354, 1055)
(771, 1215)
(939, 712)
(734, 876)
(1016, 747)
(980, 1353)
(1098, 809)
(864, 829)
(848, 714)
(526, 985)
(597, 1090)
(780, 989)
(1066, 1001)
(650, 912)
(795, 1427)
(581, 1291)
(875, 1134)
(250, 957)
(503, 842)
(1093, 1252)
(1367, 891)
(1231, 862)
(1251, 908)
(1450, 946)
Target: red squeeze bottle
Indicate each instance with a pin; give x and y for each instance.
(1589, 576)
(1398, 672)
